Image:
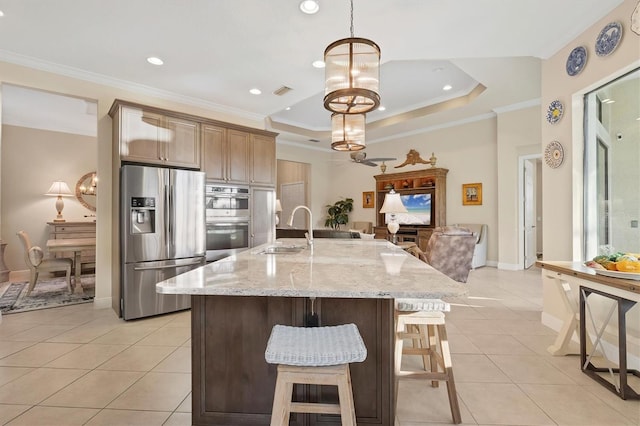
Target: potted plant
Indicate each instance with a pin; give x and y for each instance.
(338, 213)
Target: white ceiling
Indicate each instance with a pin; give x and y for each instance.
(216, 50)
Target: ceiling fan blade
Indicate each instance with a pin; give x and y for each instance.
(382, 159)
(368, 163)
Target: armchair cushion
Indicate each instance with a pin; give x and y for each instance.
(36, 255)
(450, 250)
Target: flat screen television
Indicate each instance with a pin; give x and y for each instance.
(419, 210)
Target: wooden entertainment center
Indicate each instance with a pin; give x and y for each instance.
(427, 181)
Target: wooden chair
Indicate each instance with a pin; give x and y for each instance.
(34, 258)
(314, 355)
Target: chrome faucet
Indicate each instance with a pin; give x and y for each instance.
(309, 234)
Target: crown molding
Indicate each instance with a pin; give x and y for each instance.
(104, 80)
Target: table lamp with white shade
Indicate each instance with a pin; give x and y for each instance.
(59, 189)
(278, 210)
(393, 204)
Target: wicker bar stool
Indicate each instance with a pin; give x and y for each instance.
(314, 355)
(422, 321)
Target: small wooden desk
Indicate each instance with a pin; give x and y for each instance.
(76, 245)
(625, 293)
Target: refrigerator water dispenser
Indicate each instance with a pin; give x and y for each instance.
(143, 215)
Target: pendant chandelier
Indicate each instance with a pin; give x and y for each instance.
(347, 132)
(352, 75)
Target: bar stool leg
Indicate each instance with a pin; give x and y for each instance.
(429, 336)
(345, 394)
(281, 410)
(448, 369)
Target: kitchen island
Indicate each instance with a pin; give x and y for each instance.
(236, 301)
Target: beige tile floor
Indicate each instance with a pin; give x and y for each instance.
(81, 366)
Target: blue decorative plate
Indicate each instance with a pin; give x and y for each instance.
(554, 112)
(608, 39)
(576, 61)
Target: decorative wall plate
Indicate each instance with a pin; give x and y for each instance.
(554, 154)
(608, 39)
(576, 60)
(554, 112)
(635, 19)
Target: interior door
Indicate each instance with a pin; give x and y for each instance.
(529, 214)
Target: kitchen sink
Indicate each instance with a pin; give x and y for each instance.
(282, 249)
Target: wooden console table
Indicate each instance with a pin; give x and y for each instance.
(75, 245)
(75, 229)
(624, 292)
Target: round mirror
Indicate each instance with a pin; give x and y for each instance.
(87, 189)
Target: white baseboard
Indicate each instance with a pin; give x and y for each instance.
(102, 303)
(509, 266)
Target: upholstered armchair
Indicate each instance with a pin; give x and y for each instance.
(480, 252)
(450, 251)
(363, 227)
(34, 258)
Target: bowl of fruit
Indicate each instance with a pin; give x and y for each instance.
(618, 265)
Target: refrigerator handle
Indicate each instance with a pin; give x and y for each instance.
(167, 220)
(152, 268)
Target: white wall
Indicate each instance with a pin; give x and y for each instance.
(518, 135)
(562, 187)
(31, 160)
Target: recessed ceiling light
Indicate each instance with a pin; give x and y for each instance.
(1, 13)
(309, 6)
(318, 64)
(155, 60)
(447, 87)
(255, 91)
(382, 108)
(287, 109)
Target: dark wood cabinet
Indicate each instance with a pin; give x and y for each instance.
(233, 384)
(431, 181)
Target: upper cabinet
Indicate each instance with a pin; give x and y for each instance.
(263, 160)
(236, 156)
(155, 138)
(227, 153)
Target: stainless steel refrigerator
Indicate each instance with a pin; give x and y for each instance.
(162, 234)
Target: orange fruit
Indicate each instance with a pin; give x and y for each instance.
(628, 266)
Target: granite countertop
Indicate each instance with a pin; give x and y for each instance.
(349, 268)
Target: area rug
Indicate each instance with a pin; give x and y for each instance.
(46, 294)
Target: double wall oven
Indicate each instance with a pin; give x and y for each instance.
(227, 220)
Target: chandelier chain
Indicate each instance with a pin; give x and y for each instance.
(351, 19)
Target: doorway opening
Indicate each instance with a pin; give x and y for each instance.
(530, 210)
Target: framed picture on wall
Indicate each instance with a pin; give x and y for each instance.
(471, 194)
(368, 199)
